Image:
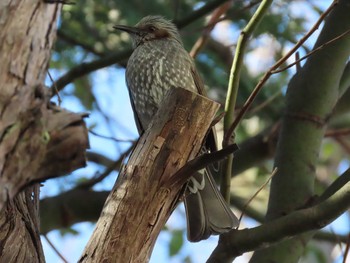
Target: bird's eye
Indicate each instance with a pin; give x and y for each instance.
(151, 28)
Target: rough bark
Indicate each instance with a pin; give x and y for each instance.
(143, 197)
(37, 140)
(312, 94)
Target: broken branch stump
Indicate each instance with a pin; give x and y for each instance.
(142, 200)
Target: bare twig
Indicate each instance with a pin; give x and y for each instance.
(55, 249)
(267, 75)
(199, 13)
(256, 193)
(86, 68)
(73, 41)
(330, 206)
(112, 165)
(218, 12)
(109, 137)
(99, 177)
(201, 162)
(297, 62)
(265, 103)
(232, 90)
(56, 92)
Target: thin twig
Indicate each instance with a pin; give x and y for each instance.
(232, 90)
(312, 52)
(205, 9)
(86, 68)
(217, 119)
(199, 163)
(297, 222)
(111, 166)
(297, 57)
(256, 193)
(265, 103)
(267, 75)
(55, 249)
(236, 12)
(109, 137)
(55, 89)
(78, 42)
(217, 13)
(100, 177)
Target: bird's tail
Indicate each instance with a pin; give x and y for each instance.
(206, 210)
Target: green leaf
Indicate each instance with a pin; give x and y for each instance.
(176, 242)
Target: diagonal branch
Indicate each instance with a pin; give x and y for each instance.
(267, 75)
(238, 242)
(141, 200)
(199, 163)
(86, 68)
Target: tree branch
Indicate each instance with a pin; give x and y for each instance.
(232, 91)
(201, 162)
(199, 13)
(65, 37)
(311, 96)
(67, 208)
(142, 200)
(86, 68)
(237, 242)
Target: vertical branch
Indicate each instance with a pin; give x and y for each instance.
(233, 89)
(311, 96)
(37, 140)
(26, 37)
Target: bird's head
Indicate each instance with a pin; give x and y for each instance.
(151, 28)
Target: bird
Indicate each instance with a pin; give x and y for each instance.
(159, 62)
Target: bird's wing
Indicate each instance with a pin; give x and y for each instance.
(211, 141)
(139, 127)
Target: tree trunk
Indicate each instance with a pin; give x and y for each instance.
(37, 140)
(311, 97)
(147, 190)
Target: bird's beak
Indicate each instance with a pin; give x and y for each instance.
(129, 29)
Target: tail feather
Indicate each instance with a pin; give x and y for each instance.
(206, 210)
